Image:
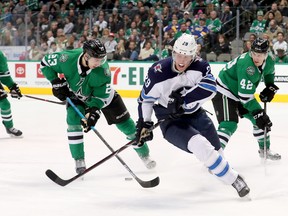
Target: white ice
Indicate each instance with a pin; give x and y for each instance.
(185, 189)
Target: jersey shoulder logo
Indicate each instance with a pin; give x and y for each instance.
(63, 58)
(107, 72)
(250, 70)
(158, 68)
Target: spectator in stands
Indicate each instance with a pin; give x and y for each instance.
(279, 43)
(17, 40)
(53, 48)
(200, 31)
(225, 18)
(101, 23)
(273, 30)
(141, 43)
(183, 29)
(246, 46)
(214, 25)
(165, 16)
(131, 53)
(271, 16)
(120, 49)
(129, 10)
(278, 15)
(68, 27)
(19, 10)
(199, 5)
(185, 17)
(172, 27)
(6, 16)
(129, 30)
(249, 8)
(146, 52)
(71, 42)
(81, 40)
(283, 8)
(110, 46)
(34, 52)
(267, 37)
(30, 36)
(186, 5)
(20, 26)
(50, 37)
(143, 13)
(258, 25)
(151, 25)
(105, 35)
(281, 56)
(200, 52)
(222, 46)
(62, 42)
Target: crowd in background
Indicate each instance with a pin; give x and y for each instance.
(142, 30)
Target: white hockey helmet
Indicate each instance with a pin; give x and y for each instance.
(186, 45)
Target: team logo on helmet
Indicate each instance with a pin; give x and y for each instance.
(63, 58)
(250, 71)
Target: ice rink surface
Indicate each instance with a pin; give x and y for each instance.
(185, 189)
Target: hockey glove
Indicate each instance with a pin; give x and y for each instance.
(268, 93)
(60, 89)
(175, 105)
(143, 133)
(92, 115)
(15, 91)
(262, 119)
(241, 110)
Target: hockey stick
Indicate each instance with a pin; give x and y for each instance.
(41, 99)
(106, 143)
(146, 184)
(46, 100)
(265, 135)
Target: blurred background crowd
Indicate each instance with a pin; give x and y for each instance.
(144, 30)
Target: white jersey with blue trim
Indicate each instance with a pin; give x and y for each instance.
(197, 85)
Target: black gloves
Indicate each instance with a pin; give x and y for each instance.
(175, 105)
(268, 93)
(143, 133)
(15, 91)
(262, 119)
(92, 115)
(60, 89)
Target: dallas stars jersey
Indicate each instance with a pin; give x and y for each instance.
(240, 77)
(94, 89)
(5, 76)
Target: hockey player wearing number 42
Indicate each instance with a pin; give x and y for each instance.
(88, 84)
(236, 86)
(5, 105)
(181, 84)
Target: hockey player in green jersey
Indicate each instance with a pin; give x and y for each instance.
(87, 83)
(236, 85)
(15, 92)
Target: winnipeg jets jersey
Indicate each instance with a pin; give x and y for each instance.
(197, 85)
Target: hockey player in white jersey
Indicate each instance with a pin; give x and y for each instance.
(181, 84)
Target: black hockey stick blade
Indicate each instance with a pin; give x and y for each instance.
(55, 178)
(148, 184)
